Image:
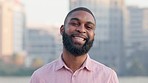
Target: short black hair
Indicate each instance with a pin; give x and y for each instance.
(77, 9)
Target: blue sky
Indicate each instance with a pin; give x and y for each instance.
(54, 11)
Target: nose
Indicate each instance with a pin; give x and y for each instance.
(81, 29)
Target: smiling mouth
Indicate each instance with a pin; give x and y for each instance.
(79, 37)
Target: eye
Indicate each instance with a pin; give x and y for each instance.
(89, 27)
(76, 24)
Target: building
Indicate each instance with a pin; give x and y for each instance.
(136, 36)
(108, 46)
(42, 44)
(145, 25)
(12, 24)
(136, 46)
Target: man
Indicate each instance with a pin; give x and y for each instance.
(75, 65)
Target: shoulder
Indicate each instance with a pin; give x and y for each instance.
(104, 72)
(47, 68)
(99, 67)
(43, 73)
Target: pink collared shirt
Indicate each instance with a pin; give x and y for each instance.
(90, 72)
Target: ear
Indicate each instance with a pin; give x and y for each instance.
(62, 29)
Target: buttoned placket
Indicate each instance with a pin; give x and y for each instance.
(74, 75)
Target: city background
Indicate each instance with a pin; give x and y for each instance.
(30, 38)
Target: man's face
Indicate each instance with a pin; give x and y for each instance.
(78, 32)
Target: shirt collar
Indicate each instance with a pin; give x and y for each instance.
(60, 64)
(86, 65)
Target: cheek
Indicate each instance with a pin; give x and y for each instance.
(92, 35)
(69, 30)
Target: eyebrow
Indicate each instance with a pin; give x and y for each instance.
(75, 19)
(89, 22)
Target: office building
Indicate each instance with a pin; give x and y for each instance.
(42, 43)
(12, 24)
(136, 46)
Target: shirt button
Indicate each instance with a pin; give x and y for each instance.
(74, 76)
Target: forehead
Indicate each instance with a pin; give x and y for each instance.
(81, 15)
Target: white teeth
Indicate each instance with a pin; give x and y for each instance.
(79, 38)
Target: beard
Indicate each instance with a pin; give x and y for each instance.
(76, 51)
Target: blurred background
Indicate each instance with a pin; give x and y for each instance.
(30, 38)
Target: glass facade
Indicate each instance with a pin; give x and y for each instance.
(40, 44)
(18, 31)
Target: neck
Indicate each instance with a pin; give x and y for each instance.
(73, 62)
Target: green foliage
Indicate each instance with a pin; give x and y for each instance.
(13, 70)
